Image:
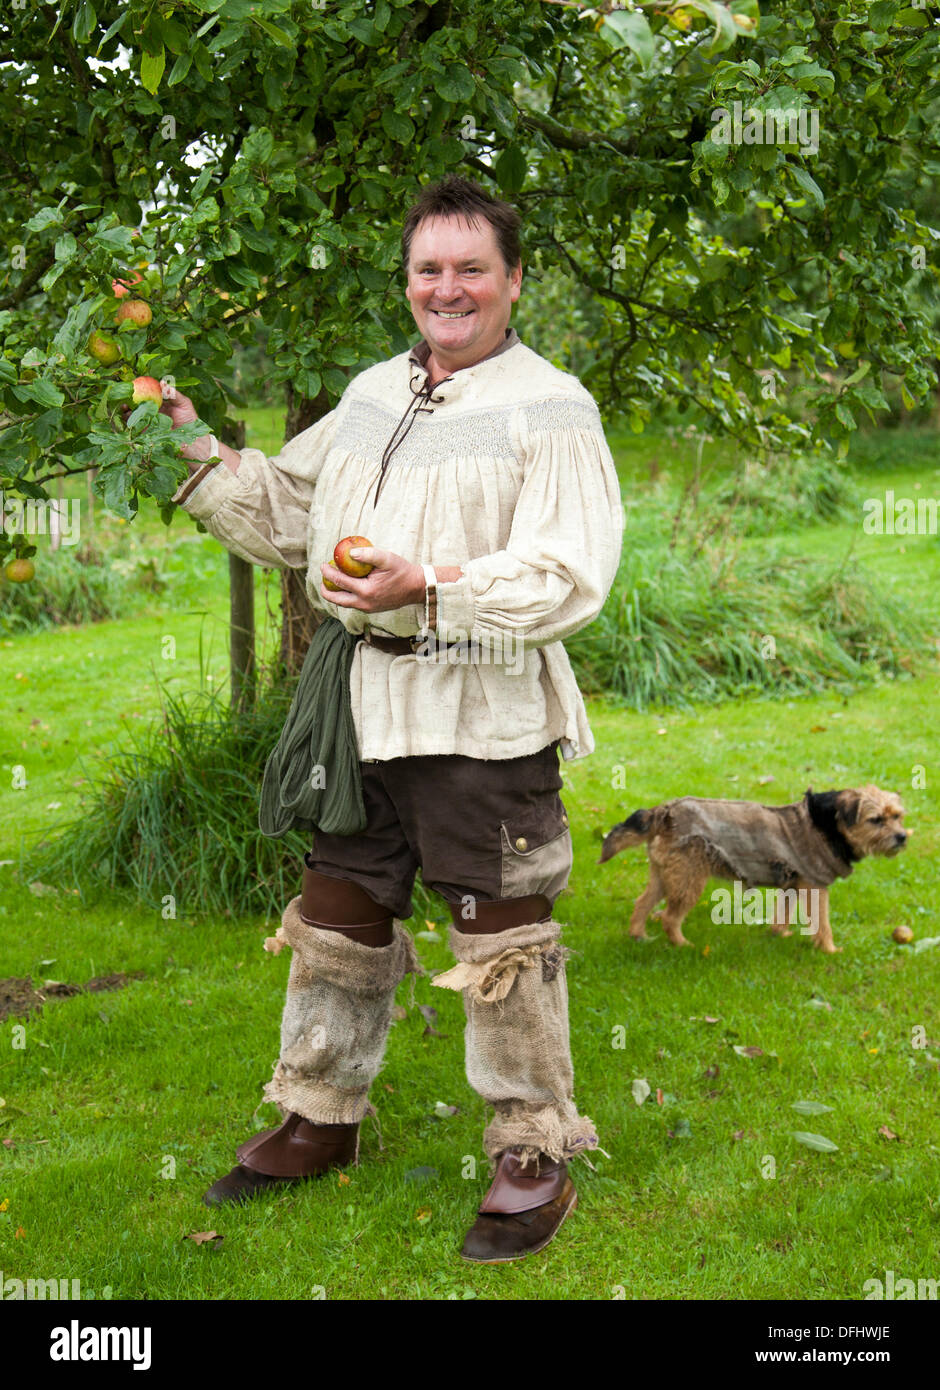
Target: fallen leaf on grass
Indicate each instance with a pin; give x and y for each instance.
(444, 1112)
(423, 1214)
(342, 1180)
(712, 1072)
(749, 1051)
(428, 936)
(819, 1142)
(19, 1233)
(819, 1003)
(888, 1133)
(398, 1013)
(204, 1237)
(659, 1096)
(422, 1175)
(738, 1134)
(925, 943)
(5, 1204)
(640, 1090)
(811, 1107)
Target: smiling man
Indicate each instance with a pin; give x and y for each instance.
(481, 473)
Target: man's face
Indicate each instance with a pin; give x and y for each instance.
(459, 290)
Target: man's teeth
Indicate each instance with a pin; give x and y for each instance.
(443, 314)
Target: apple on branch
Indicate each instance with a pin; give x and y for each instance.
(104, 349)
(135, 311)
(147, 388)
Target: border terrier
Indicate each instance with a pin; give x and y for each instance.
(803, 848)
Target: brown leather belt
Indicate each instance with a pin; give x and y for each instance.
(404, 646)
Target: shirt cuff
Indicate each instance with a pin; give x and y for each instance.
(203, 493)
(455, 610)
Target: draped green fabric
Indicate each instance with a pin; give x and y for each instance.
(312, 779)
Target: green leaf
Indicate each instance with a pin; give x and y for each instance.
(273, 32)
(115, 28)
(151, 69)
(179, 69)
(398, 126)
(815, 1141)
(811, 1107)
(511, 169)
(83, 24)
(807, 183)
(455, 84)
(630, 29)
(43, 392)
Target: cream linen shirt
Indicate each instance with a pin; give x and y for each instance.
(502, 468)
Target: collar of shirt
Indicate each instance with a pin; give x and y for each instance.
(421, 351)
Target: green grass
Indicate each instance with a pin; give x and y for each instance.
(110, 1087)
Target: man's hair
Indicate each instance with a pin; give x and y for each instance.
(454, 196)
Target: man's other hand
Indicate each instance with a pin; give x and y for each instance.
(394, 582)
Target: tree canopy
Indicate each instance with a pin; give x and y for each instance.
(254, 159)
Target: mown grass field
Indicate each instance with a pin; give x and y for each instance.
(123, 1107)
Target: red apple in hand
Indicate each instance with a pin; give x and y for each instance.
(357, 569)
(136, 310)
(147, 388)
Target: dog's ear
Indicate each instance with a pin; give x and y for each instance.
(822, 808)
(847, 804)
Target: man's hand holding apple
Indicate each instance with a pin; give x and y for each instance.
(393, 581)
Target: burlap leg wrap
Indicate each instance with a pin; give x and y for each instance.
(518, 1053)
(336, 1018)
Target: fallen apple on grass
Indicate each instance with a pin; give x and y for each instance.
(902, 935)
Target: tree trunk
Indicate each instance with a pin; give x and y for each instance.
(241, 576)
(298, 620)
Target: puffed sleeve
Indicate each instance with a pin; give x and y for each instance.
(261, 512)
(563, 550)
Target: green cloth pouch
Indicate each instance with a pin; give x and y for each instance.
(312, 779)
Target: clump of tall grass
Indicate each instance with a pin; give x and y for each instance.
(172, 817)
(80, 585)
(686, 624)
(783, 494)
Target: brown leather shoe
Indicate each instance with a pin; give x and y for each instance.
(522, 1210)
(293, 1152)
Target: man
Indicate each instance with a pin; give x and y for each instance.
(481, 474)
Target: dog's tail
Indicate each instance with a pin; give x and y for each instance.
(629, 833)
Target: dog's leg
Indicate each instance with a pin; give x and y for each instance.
(644, 904)
(819, 915)
(681, 896)
(783, 904)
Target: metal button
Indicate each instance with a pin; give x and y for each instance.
(522, 843)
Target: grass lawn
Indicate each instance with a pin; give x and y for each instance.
(120, 1108)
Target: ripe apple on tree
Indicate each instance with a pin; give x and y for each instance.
(120, 288)
(135, 311)
(147, 388)
(104, 349)
(20, 571)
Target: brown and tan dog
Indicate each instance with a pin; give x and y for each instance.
(803, 846)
